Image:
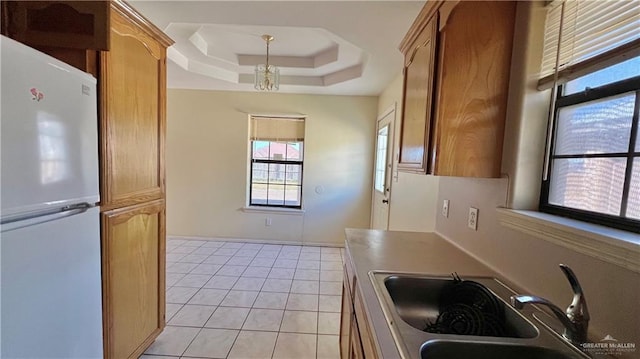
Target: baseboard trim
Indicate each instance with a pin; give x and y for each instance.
(260, 241)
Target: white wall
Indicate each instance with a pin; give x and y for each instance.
(612, 292)
(412, 206)
(207, 151)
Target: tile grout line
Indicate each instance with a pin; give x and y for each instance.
(201, 328)
(287, 302)
(183, 305)
(285, 306)
(273, 351)
(318, 308)
(245, 318)
(298, 262)
(318, 312)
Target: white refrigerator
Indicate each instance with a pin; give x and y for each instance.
(50, 283)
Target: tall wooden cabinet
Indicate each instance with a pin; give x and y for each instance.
(127, 54)
(132, 80)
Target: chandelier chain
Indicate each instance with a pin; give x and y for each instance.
(267, 78)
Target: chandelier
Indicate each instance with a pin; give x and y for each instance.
(267, 76)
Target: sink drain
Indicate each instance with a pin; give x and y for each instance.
(468, 308)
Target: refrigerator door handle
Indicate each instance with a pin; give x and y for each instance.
(80, 207)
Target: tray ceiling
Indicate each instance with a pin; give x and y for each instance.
(321, 47)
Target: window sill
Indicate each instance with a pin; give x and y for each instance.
(276, 210)
(611, 245)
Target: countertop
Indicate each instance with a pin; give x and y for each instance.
(406, 252)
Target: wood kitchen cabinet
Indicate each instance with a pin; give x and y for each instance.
(466, 109)
(356, 341)
(71, 31)
(473, 83)
(346, 321)
(132, 87)
(132, 84)
(60, 24)
(418, 88)
(131, 103)
(133, 264)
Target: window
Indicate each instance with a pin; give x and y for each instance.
(277, 147)
(381, 159)
(593, 155)
(582, 36)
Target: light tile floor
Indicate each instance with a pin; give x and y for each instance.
(248, 300)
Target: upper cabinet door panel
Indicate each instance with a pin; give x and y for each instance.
(62, 24)
(132, 124)
(473, 80)
(418, 87)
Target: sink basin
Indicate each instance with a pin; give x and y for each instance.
(457, 349)
(412, 302)
(425, 303)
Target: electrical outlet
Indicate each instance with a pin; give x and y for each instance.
(445, 208)
(267, 221)
(473, 218)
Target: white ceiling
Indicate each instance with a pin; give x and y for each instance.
(321, 47)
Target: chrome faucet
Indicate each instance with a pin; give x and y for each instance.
(575, 319)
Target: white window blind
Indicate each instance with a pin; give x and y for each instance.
(602, 30)
(277, 129)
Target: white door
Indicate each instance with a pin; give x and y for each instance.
(382, 171)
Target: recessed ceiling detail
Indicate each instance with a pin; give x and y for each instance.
(321, 47)
(306, 56)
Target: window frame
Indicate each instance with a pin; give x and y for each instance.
(386, 159)
(591, 94)
(268, 162)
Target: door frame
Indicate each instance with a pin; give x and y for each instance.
(390, 111)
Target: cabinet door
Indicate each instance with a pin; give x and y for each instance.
(61, 24)
(133, 270)
(473, 84)
(366, 339)
(345, 321)
(356, 351)
(70, 31)
(418, 89)
(132, 123)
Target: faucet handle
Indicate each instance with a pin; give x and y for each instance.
(577, 310)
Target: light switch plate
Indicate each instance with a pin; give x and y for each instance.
(473, 218)
(445, 208)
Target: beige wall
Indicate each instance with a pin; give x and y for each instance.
(412, 206)
(612, 292)
(525, 134)
(207, 151)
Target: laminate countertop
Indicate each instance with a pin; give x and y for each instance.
(404, 252)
